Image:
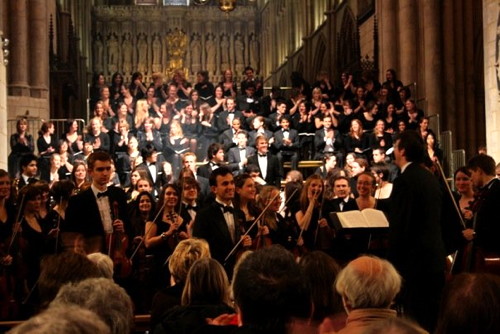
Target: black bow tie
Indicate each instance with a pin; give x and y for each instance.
(263, 155)
(102, 194)
(285, 131)
(226, 208)
(31, 180)
(190, 207)
(242, 149)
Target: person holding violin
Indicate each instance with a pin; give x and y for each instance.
(275, 230)
(315, 229)
(190, 190)
(485, 231)
(244, 200)
(99, 211)
(164, 233)
(219, 223)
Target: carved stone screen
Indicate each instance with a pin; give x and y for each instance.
(163, 39)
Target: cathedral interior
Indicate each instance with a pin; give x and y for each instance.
(437, 49)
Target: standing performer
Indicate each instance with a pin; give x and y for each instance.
(486, 230)
(100, 210)
(416, 247)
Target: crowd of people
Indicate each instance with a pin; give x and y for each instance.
(176, 233)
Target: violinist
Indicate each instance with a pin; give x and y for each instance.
(99, 210)
(465, 193)
(61, 191)
(33, 235)
(163, 234)
(274, 228)
(316, 230)
(244, 200)
(7, 218)
(485, 231)
(219, 224)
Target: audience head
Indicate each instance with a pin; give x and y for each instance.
(215, 152)
(62, 190)
(206, 283)
(102, 296)
(103, 263)
(470, 304)
(183, 257)
(320, 271)
(59, 269)
(368, 282)
(269, 290)
(69, 319)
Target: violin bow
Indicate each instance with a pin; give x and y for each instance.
(147, 232)
(251, 226)
(18, 224)
(58, 225)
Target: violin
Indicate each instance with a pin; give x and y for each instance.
(174, 239)
(117, 244)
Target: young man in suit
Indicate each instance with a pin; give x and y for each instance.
(152, 167)
(29, 169)
(215, 154)
(219, 223)
(228, 137)
(269, 165)
(286, 143)
(100, 210)
(238, 156)
(227, 116)
(329, 141)
(416, 245)
(189, 162)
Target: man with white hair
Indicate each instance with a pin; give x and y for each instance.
(368, 286)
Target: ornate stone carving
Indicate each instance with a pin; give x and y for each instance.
(127, 55)
(211, 49)
(195, 49)
(176, 51)
(113, 53)
(157, 47)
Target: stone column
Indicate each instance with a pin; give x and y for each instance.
(19, 48)
(449, 99)
(491, 24)
(39, 52)
(4, 139)
(408, 32)
(388, 37)
(432, 59)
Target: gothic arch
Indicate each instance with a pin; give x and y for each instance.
(319, 56)
(348, 49)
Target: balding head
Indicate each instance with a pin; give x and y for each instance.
(368, 282)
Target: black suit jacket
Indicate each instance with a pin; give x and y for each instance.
(252, 135)
(211, 226)
(319, 141)
(334, 205)
(278, 141)
(82, 214)
(416, 245)
(233, 157)
(222, 124)
(274, 171)
(158, 183)
(226, 138)
(205, 170)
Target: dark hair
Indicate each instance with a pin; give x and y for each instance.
(213, 149)
(153, 204)
(483, 162)
(147, 151)
(470, 304)
(59, 269)
(97, 156)
(62, 190)
(269, 290)
(26, 159)
(221, 171)
(161, 198)
(252, 169)
(413, 145)
(187, 180)
(45, 127)
(464, 170)
(320, 271)
(381, 168)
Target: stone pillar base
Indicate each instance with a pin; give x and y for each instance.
(39, 92)
(19, 90)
